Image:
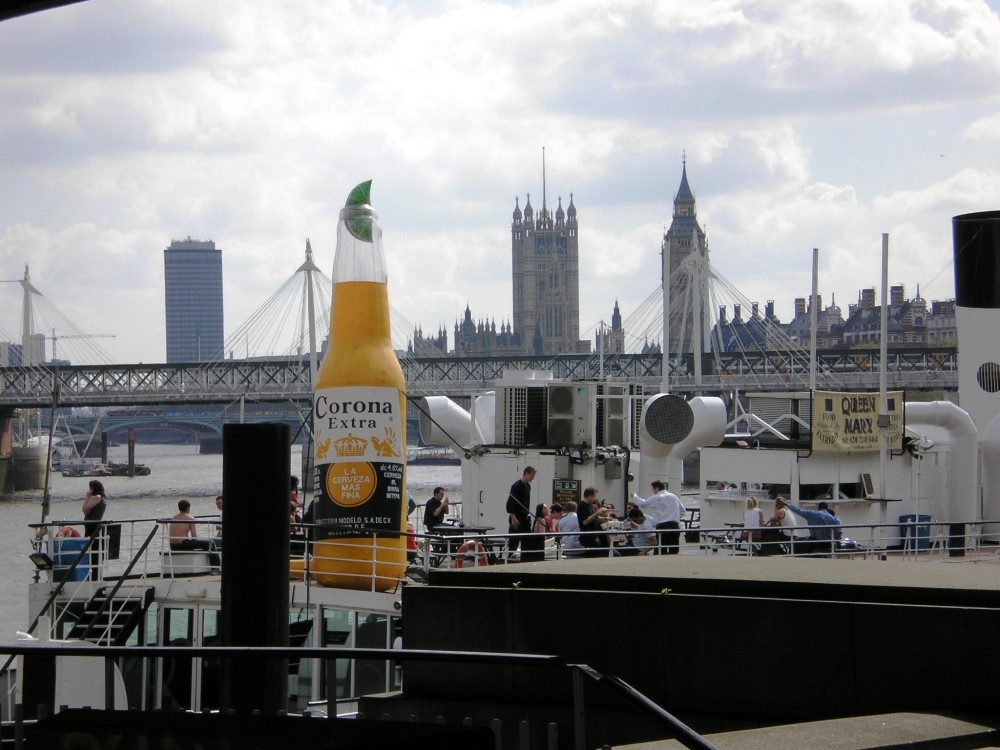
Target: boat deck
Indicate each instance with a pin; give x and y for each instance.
(922, 578)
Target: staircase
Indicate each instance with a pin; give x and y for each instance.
(109, 622)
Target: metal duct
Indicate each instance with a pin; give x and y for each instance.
(670, 428)
(443, 422)
(962, 459)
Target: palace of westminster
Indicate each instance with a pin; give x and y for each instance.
(546, 270)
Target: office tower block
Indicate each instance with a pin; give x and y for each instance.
(193, 293)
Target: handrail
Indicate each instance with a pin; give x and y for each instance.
(680, 731)
(52, 597)
(85, 550)
(121, 580)
(872, 538)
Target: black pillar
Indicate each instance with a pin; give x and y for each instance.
(255, 472)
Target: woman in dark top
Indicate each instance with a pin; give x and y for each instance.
(533, 547)
(94, 506)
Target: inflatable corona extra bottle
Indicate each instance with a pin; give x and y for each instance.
(359, 418)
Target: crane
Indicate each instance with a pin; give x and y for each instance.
(53, 338)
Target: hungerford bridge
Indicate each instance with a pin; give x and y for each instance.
(289, 380)
(259, 377)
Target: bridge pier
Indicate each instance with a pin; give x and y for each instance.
(6, 446)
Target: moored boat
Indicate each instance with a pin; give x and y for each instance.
(111, 469)
(432, 455)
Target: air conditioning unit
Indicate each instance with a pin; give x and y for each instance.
(520, 415)
(638, 399)
(611, 413)
(570, 414)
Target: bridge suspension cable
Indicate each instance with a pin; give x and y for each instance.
(748, 332)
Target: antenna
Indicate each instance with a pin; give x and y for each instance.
(543, 178)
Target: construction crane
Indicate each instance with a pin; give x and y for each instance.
(53, 338)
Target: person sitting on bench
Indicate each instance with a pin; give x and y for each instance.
(184, 535)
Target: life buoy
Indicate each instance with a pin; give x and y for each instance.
(473, 547)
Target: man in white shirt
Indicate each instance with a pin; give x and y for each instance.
(568, 523)
(666, 510)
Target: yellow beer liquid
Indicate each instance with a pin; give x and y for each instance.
(361, 354)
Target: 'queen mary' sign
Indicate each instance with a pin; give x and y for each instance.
(849, 421)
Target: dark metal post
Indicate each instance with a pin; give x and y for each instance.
(331, 686)
(579, 718)
(109, 683)
(131, 451)
(256, 466)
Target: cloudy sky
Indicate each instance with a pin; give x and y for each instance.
(821, 123)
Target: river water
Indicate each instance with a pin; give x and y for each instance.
(177, 472)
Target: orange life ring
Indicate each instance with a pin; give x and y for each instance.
(476, 549)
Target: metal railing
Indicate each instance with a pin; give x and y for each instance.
(329, 657)
(907, 540)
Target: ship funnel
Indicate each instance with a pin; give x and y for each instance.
(670, 428)
(976, 239)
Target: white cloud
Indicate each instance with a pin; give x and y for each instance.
(984, 128)
(820, 123)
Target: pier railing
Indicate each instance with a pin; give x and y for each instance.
(952, 541)
(104, 694)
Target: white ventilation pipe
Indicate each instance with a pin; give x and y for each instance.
(484, 417)
(989, 447)
(670, 428)
(443, 422)
(962, 459)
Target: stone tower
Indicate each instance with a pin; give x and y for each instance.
(682, 241)
(545, 261)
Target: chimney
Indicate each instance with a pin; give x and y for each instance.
(800, 306)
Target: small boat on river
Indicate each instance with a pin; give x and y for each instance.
(432, 455)
(110, 469)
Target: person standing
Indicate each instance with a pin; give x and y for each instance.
(218, 526)
(592, 517)
(94, 506)
(666, 510)
(435, 509)
(518, 504)
(533, 546)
